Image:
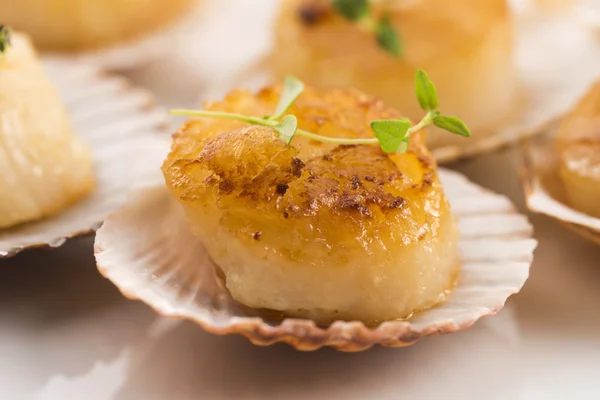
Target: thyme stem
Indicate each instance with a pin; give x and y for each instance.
(271, 123)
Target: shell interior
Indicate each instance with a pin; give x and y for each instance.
(157, 260)
(127, 134)
(544, 191)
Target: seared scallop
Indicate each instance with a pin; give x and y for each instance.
(44, 166)
(86, 24)
(578, 142)
(465, 45)
(316, 230)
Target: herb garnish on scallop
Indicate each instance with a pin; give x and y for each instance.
(328, 208)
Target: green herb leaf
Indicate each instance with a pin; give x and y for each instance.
(287, 128)
(353, 10)
(452, 124)
(391, 134)
(4, 38)
(388, 38)
(426, 93)
(292, 89)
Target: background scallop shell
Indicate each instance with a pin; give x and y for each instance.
(157, 260)
(557, 55)
(545, 193)
(127, 134)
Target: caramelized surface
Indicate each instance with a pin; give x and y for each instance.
(311, 229)
(250, 167)
(578, 141)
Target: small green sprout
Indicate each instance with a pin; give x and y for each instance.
(392, 136)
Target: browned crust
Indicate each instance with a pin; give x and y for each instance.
(231, 159)
(312, 12)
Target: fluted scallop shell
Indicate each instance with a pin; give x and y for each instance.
(128, 136)
(158, 261)
(556, 57)
(544, 191)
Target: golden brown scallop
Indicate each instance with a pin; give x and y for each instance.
(464, 45)
(86, 24)
(316, 230)
(578, 142)
(44, 166)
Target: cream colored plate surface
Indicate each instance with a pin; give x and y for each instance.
(146, 249)
(127, 134)
(545, 194)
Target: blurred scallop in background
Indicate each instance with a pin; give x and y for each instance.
(466, 46)
(76, 25)
(44, 165)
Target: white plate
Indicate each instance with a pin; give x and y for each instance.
(128, 136)
(147, 250)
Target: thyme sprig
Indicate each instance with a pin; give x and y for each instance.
(392, 136)
(4, 38)
(360, 12)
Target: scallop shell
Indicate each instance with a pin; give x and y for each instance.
(556, 57)
(128, 136)
(544, 191)
(158, 261)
